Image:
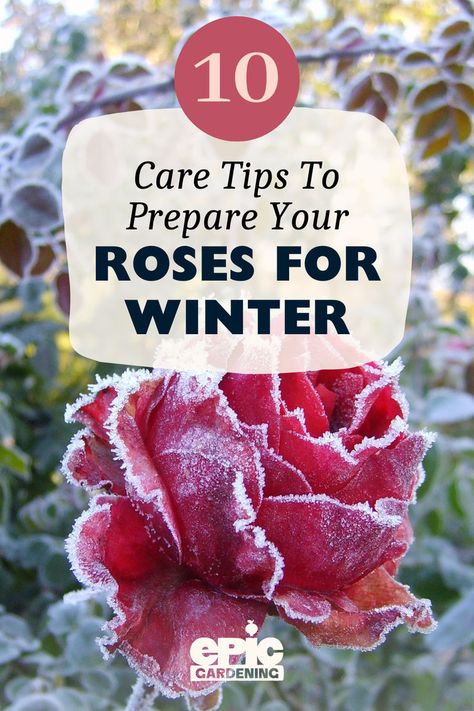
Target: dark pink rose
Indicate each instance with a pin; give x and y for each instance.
(230, 498)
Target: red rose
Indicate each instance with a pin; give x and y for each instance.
(231, 498)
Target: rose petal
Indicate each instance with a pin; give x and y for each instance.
(298, 392)
(195, 463)
(139, 470)
(255, 400)
(381, 409)
(382, 604)
(379, 402)
(89, 462)
(160, 608)
(280, 476)
(327, 545)
(389, 473)
(93, 410)
(328, 398)
(90, 459)
(303, 606)
(324, 461)
(346, 385)
(404, 534)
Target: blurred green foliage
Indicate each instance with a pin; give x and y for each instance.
(48, 657)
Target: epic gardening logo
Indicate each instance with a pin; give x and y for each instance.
(223, 659)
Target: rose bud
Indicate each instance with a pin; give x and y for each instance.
(229, 498)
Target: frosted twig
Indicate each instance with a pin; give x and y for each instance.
(142, 697)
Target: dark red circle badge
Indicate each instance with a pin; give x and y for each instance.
(237, 78)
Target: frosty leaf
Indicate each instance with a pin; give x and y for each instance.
(15, 248)
(345, 33)
(36, 702)
(461, 125)
(416, 59)
(35, 152)
(35, 206)
(466, 93)
(453, 52)
(359, 93)
(81, 650)
(438, 145)
(457, 575)
(132, 69)
(432, 122)
(456, 627)
(15, 631)
(377, 106)
(444, 406)
(430, 95)
(55, 572)
(454, 70)
(454, 29)
(387, 84)
(8, 651)
(45, 257)
(63, 293)
(77, 78)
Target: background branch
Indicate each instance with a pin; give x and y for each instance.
(167, 85)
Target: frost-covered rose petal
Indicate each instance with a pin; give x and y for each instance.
(392, 472)
(90, 462)
(190, 455)
(89, 459)
(325, 544)
(379, 604)
(160, 606)
(236, 497)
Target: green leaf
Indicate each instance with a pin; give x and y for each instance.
(31, 293)
(457, 575)
(64, 617)
(22, 686)
(36, 702)
(456, 627)
(445, 406)
(81, 648)
(55, 572)
(15, 632)
(8, 651)
(101, 682)
(15, 461)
